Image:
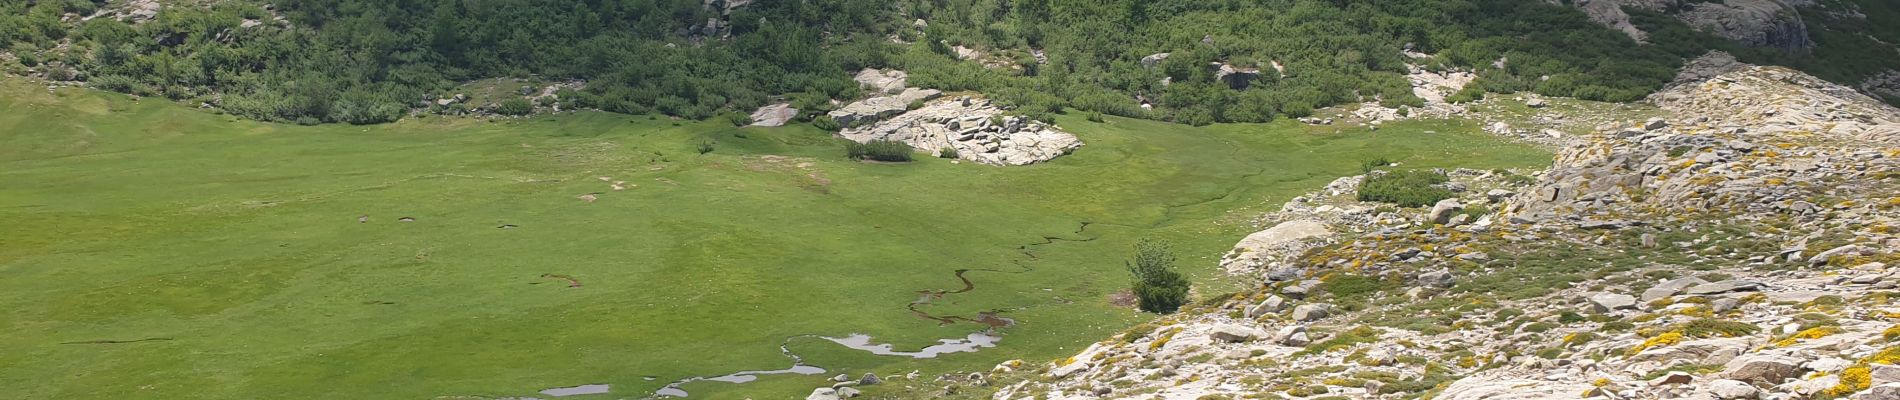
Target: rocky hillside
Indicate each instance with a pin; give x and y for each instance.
(1824, 37)
(1742, 248)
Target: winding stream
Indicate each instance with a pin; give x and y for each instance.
(976, 341)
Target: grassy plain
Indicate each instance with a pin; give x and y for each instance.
(153, 251)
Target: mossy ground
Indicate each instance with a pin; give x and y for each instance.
(239, 242)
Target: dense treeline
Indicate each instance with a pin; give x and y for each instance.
(369, 61)
(364, 61)
(1332, 52)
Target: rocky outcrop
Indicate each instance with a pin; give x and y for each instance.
(1756, 23)
(1269, 247)
(1883, 84)
(1237, 78)
(774, 115)
(1756, 101)
(1706, 67)
(974, 128)
(880, 107)
(1610, 13)
(1754, 140)
(881, 81)
(1762, 247)
(1154, 60)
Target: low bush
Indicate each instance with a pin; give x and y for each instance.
(825, 122)
(738, 119)
(1710, 328)
(879, 150)
(514, 106)
(1376, 163)
(1469, 94)
(1405, 188)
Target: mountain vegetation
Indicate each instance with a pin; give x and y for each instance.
(363, 61)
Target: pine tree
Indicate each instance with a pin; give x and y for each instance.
(1157, 286)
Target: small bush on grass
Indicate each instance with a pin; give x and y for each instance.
(1469, 94)
(739, 119)
(704, 146)
(879, 150)
(947, 152)
(514, 106)
(1405, 188)
(1157, 286)
(1376, 163)
(824, 122)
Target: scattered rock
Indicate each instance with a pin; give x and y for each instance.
(1310, 312)
(1236, 333)
(1763, 369)
(1655, 124)
(1439, 279)
(823, 394)
(1673, 378)
(1889, 391)
(1607, 302)
(1671, 288)
(1728, 286)
(1273, 304)
(1730, 389)
(1292, 336)
(1442, 212)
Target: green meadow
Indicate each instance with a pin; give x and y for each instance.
(154, 251)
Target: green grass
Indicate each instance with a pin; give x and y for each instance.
(239, 242)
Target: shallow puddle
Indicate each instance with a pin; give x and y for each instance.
(673, 389)
(576, 390)
(968, 344)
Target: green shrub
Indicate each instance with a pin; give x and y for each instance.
(825, 122)
(880, 150)
(1537, 327)
(1570, 317)
(1348, 286)
(914, 104)
(1476, 211)
(1469, 94)
(26, 53)
(1357, 335)
(514, 106)
(1405, 188)
(1710, 328)
(705, 146)
(1158, 288)
(739, 119)
(1617, 326)
(947, 152)
(1376, 163)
